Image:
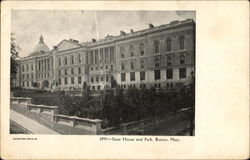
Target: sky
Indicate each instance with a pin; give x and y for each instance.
(82, 25)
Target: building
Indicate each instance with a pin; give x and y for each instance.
(161, 56)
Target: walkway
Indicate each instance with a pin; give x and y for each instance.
(30, 124)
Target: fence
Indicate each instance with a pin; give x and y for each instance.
(51, 113)
(20, 101)
(92, 125)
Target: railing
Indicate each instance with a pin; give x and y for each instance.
(20, 101)
(42, 108)
(92, 125)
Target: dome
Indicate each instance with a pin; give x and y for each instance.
(41, 46)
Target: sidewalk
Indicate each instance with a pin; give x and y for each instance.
(29, 124)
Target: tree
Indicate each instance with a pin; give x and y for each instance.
(14, 51)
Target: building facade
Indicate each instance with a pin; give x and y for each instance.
(161, 56)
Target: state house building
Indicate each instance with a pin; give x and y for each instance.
(159, 56)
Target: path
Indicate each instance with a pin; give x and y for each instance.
(30, 124)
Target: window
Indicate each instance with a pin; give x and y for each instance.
(93, 87)
(27, 75)
(59, 61)
(131, 50)
(98, 87)
(65, 61)
(132, 76)
(182, 72)
(59, 72)
(101, 78)
(91, 57)
(106, 55)
(72, 59)
(169, 60)
(182, 42)
(157, 74)
(142, 63)
(106, 67)
(23, 76)
(97, 79)
(65, 80)
(96, 56)
(32, 67)
(101, 55)
(79, 58)
(79, 70)
(123, 77)
(122, 52)
(96, 68)
(157, 61)
(112, 56)
(31, 75)
(122, 66)
(156, 46)
(111, 67)
(72, 80)
(59, 81)
(142, 49)
(169, 73)
(92, 79)
(27, 67)
(107, 78)
(91, 68)
(182, 59)
(168, 43)
(27, 83)
(132, 65)
(65, 72)
(72, 70)
(142, 75)
(23, 68)
(79, 79)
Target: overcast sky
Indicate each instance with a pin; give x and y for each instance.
(55, 26)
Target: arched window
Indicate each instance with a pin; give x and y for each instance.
(132, 66)
(182, 58)
(168, 44)
(79, 58)
(72, 59)
(142, 49)
(181, 42)
(169, 60)
(132, 50)
(142, 63)
(156, 46)
(122, 52)
(65, 60)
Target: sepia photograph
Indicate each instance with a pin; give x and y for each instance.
(124, 80)
(102, 72)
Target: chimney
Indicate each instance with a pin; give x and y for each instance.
(93, 40)
(131, 31)
(73, 40)
(122, 33)
(174, 22)
(151, 26)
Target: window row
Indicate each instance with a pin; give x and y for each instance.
(27, 67)
(157, 62)
(157, 75)
(106, 67)
(71, 60)
(168, 44)
(132, 51)
(102, 55)
(72, 80)
(72, 71)
(98, 79)
(169, 74)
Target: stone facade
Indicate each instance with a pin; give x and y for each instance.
(161, 56)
